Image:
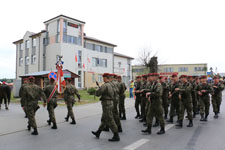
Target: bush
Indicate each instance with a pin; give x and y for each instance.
(91, 91)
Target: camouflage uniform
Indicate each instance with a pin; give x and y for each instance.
(122, 89)
(217, 97)
(52, 104)
(204, 99)
(69, 98)
(23, 98)
(143, 100)
(32, 93)
(165, 102)
(194, 98)
(185, 102)
(138, 98)
(107, 97)
(115, 87)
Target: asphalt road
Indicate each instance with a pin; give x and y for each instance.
(14, 136)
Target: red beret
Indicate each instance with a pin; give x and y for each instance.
(138, 77)
(4, 82)
(183, 76)
(106, 74)
(161, 77)
(174, 75)
(155, 74)
(203, 77)
(150, 74)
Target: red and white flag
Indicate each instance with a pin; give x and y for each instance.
(60, 77)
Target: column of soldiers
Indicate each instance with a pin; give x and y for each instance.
(31, 93)
(154, 94)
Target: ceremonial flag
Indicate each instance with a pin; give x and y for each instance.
(75, 58)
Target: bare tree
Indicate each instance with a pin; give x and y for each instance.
(148, 58)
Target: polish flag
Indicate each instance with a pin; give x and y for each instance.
(75, 58)
(84, 66)
(89, 60)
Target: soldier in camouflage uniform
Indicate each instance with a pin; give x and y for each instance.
(52, 103)
(204, 89)
(175, 97)
(32, 92)
(114, 83)
(122, 89)
(107, 97)
(22, 96)
(193, 95)
(185, 102)
(165, 95)
(138, 96)
(197, 82)
(143, 98)
(154, 96)
(69, 98)
(217, 95)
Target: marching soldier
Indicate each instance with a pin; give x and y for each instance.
(217, 95)
(123, 88)
(197, 82)
(154, 96)
(175, 97)
(52, 103)
(107, 95)
(143, 98)
(69, 98)
(193, 95)
(138, 96)
(22, 96)
(32, 92)
(165, 95)
(204, 89)
(186, 101)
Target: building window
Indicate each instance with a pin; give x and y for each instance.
(21, 46)
(27, 60)
(93, 78)
(64, 26)
(79, 59)
(79, 79)
(106, 50)
(200, 68)
(104, 63)
(109, 50)
(101, 48)
(97, 48)
(47, 27)
(168, 69)
(183, 69)
(100, 79)
(119, 64)
(34, 43)
(79, 41)
(33, 59)
(94, 62)
(20, 61)
(58, 26)
(27, 44)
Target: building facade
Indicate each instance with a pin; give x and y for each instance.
(83, 55)
(169, 69)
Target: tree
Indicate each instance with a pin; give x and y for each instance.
(148, 58)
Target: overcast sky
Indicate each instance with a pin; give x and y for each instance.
(182, 31)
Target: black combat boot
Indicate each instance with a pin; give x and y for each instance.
(28, 127)
(73, 121)
(161, 131)
(216, 115)
(54, 126)
(124, 117)
(49, 122)
(115, 138)
(120, 129)
(180, 123)
(67, 118)
(190, 124)
(97, 133)
(156, 123)
(170, 120)
(137, 116)
(202, 117)
(206, 118)
(148, 130)
(120, 116)
(165, 117)
(35, 132)
(142, 120)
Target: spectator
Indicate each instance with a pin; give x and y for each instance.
(131, 88)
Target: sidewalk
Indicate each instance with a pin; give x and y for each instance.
(13, 120)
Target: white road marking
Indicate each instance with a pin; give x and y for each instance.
(169, 126)
(136, 144)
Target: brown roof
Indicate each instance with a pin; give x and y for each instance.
(18, 41)
(121, 55)
(38, 34)
(65, 17)
(100, 41)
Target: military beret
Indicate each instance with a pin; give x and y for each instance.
(138, 77)
(203, 77)
(161, 77)
(119, 77)
(4, 82)
(183, 76)
(155, 74)
(174, 75)
(106, 75)
(150, 74)
(190, 76)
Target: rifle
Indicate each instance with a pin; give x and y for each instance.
(97, 84)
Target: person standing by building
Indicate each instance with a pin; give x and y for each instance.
(52, 103)
(107, 95)
(123, 88)
(204, 89)
(131, 88)
(69, 98)
(32, 92)
(217, 95)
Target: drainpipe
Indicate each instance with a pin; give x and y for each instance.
(39, 54)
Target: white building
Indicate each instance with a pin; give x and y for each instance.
(83, 55)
